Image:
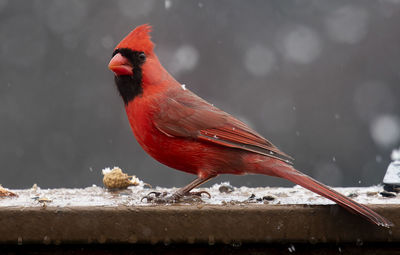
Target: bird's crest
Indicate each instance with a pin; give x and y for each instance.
(138, 40)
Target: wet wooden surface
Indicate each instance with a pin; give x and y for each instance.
(234, 216)
(210, 224)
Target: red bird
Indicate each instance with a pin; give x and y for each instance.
(185, 132)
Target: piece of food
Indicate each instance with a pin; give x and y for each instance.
(116, 179)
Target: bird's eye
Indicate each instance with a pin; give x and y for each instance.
(142, 56)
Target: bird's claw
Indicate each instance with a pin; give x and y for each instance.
(198, 193)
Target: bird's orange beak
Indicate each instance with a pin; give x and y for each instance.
(120, 65)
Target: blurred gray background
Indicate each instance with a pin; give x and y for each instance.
(320, 79)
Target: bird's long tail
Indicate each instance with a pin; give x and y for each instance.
(291, 174)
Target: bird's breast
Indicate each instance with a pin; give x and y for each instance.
(168, 150)
(185, 154)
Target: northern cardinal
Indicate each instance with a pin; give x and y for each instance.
(185, 132)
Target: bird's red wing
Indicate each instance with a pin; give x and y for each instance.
(183, 114)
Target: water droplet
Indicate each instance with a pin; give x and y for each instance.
(334, 159)
(313, 240)
(20, 240)
(46, 240)
(291, 248)
(211, 240)
(280, 224)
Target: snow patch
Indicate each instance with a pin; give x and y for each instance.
(98, 196)
(392, 175)
(106, 170)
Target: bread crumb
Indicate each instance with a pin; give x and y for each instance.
(116, 179)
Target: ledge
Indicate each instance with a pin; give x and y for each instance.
(96, 216)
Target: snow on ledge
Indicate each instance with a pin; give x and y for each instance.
(98, 196)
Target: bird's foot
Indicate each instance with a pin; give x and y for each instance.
(164, 198)
(159, 198)
(198, 194)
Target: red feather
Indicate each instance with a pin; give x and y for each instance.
(139, 39)
(183, 114)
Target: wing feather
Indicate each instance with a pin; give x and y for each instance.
(183, 114)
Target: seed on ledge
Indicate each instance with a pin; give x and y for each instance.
(269, 197)
(6, 193)
(226, 188)
(116, 179)
(387, 194)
